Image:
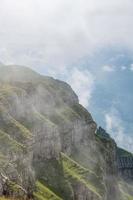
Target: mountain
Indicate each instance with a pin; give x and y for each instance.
(124, 158)
(49, 148)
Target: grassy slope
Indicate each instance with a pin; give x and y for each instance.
(74, 171)
(44, 193)
(6, 141)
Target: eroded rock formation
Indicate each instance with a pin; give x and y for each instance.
(48, 141)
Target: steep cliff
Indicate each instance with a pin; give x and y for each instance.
(48, 145)
(123, 162)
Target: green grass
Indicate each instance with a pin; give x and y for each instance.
(82, 112)
(43, 118)
(69, 113)
(16, 191)
(59, 116)
(74, 171)
(25, 132)
(9, 143)
(9, 124)
(44, 193)
(50, 173)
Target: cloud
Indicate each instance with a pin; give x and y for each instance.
(51, 35)
(82, 83)
(131, 67)
(57, 32)
(108, 68)
(5, 56)
(114, 126)
(123, 68)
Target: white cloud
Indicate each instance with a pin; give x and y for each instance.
(82, 82)
(58, 32)
(114, 126)
(5, 56)
(123, 68)
(131, 67)
(50, 35)
(108, 68)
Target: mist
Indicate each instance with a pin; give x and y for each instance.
(57, 33)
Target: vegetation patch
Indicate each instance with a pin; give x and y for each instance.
(44, 193)
(6, 142)
(25, 132)
(43, 118)
(13, 127)
(50, 173)
(74, 171)
(82, 112)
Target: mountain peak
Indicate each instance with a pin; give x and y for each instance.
(18, 73)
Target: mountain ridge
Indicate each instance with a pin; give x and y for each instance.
(62, 155)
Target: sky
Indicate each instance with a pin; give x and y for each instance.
(87, 43)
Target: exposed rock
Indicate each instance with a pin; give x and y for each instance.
(82, 193)
(48, 144)
(125, 164)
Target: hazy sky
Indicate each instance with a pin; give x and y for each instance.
(88, 43)
(58, 32)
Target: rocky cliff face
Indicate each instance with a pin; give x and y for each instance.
(125, 164)
(123, 159)
(48, 145)
(121, 167)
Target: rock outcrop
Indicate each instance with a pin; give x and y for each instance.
(48, 142)
(121, 166)
(125, 164)
(124, 158)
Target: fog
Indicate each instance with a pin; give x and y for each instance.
(56, 33)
